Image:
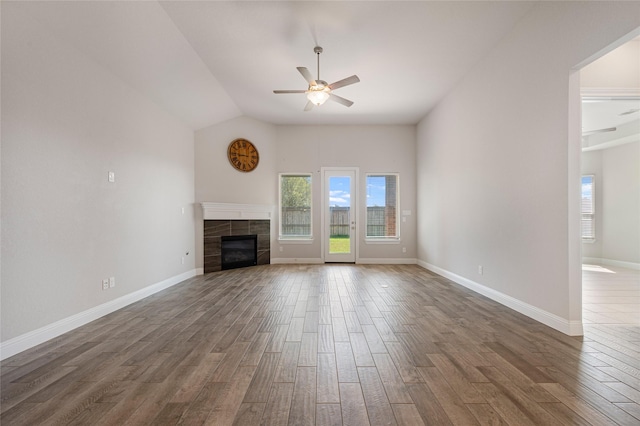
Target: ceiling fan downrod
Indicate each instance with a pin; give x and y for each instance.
(318, 51)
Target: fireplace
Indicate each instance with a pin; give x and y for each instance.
(232, 220)
(215, 230)
(238, 251)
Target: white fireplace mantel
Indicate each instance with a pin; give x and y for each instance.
(223, 211)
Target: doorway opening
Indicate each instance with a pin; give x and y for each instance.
(607, 161)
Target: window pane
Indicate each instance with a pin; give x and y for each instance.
(295, 205)
(587, 194)
(382, 200)
(340, 214)
(587, 226)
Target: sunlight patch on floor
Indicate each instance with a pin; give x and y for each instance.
(597, 268)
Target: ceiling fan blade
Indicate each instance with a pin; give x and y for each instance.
(308, 106)
(631, 111)
(306, 74)
(340, 100)
(593, 132)
(288, 91)
(344, 82)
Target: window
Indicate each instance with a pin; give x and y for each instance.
(295, 206)
(382, 206)
(587, 226)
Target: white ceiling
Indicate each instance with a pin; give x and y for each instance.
(611, 98)
(209, 61)
(610, 122)
(598, 114)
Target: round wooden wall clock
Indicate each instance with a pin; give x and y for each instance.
(243, 155)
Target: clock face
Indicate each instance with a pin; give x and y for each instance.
(243, 155)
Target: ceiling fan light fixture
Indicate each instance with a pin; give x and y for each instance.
(318, 94)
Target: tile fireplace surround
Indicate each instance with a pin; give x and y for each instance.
(221, 219)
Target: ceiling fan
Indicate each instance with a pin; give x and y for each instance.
(319, 91)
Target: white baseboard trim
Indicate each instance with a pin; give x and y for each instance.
(199, 271)
(295, 260)
(611, 262)
(571, 328)
(379, 261)
(364, 261)
(33, 338)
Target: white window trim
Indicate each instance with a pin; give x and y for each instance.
(294, 239)
(383, 240)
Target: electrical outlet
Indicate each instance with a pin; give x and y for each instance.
(404, 249)
(105, 284)
(112, 177)
(480, 269)
(183, 260)
(281, 249)
(112, 282)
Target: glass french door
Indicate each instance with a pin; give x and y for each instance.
(339, 226)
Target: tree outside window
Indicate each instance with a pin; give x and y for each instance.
(295, 206)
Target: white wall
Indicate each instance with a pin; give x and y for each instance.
(617, 178)
(304, 149)
(619, 69)
(620, 193)
(494, 165)
(217, 181)
(67, 122)
(372, 149)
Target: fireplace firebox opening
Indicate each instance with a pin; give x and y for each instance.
(239, 251)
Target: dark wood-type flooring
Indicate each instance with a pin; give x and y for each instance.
(324, 345)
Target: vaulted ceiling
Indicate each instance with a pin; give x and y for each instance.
(209, 61)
